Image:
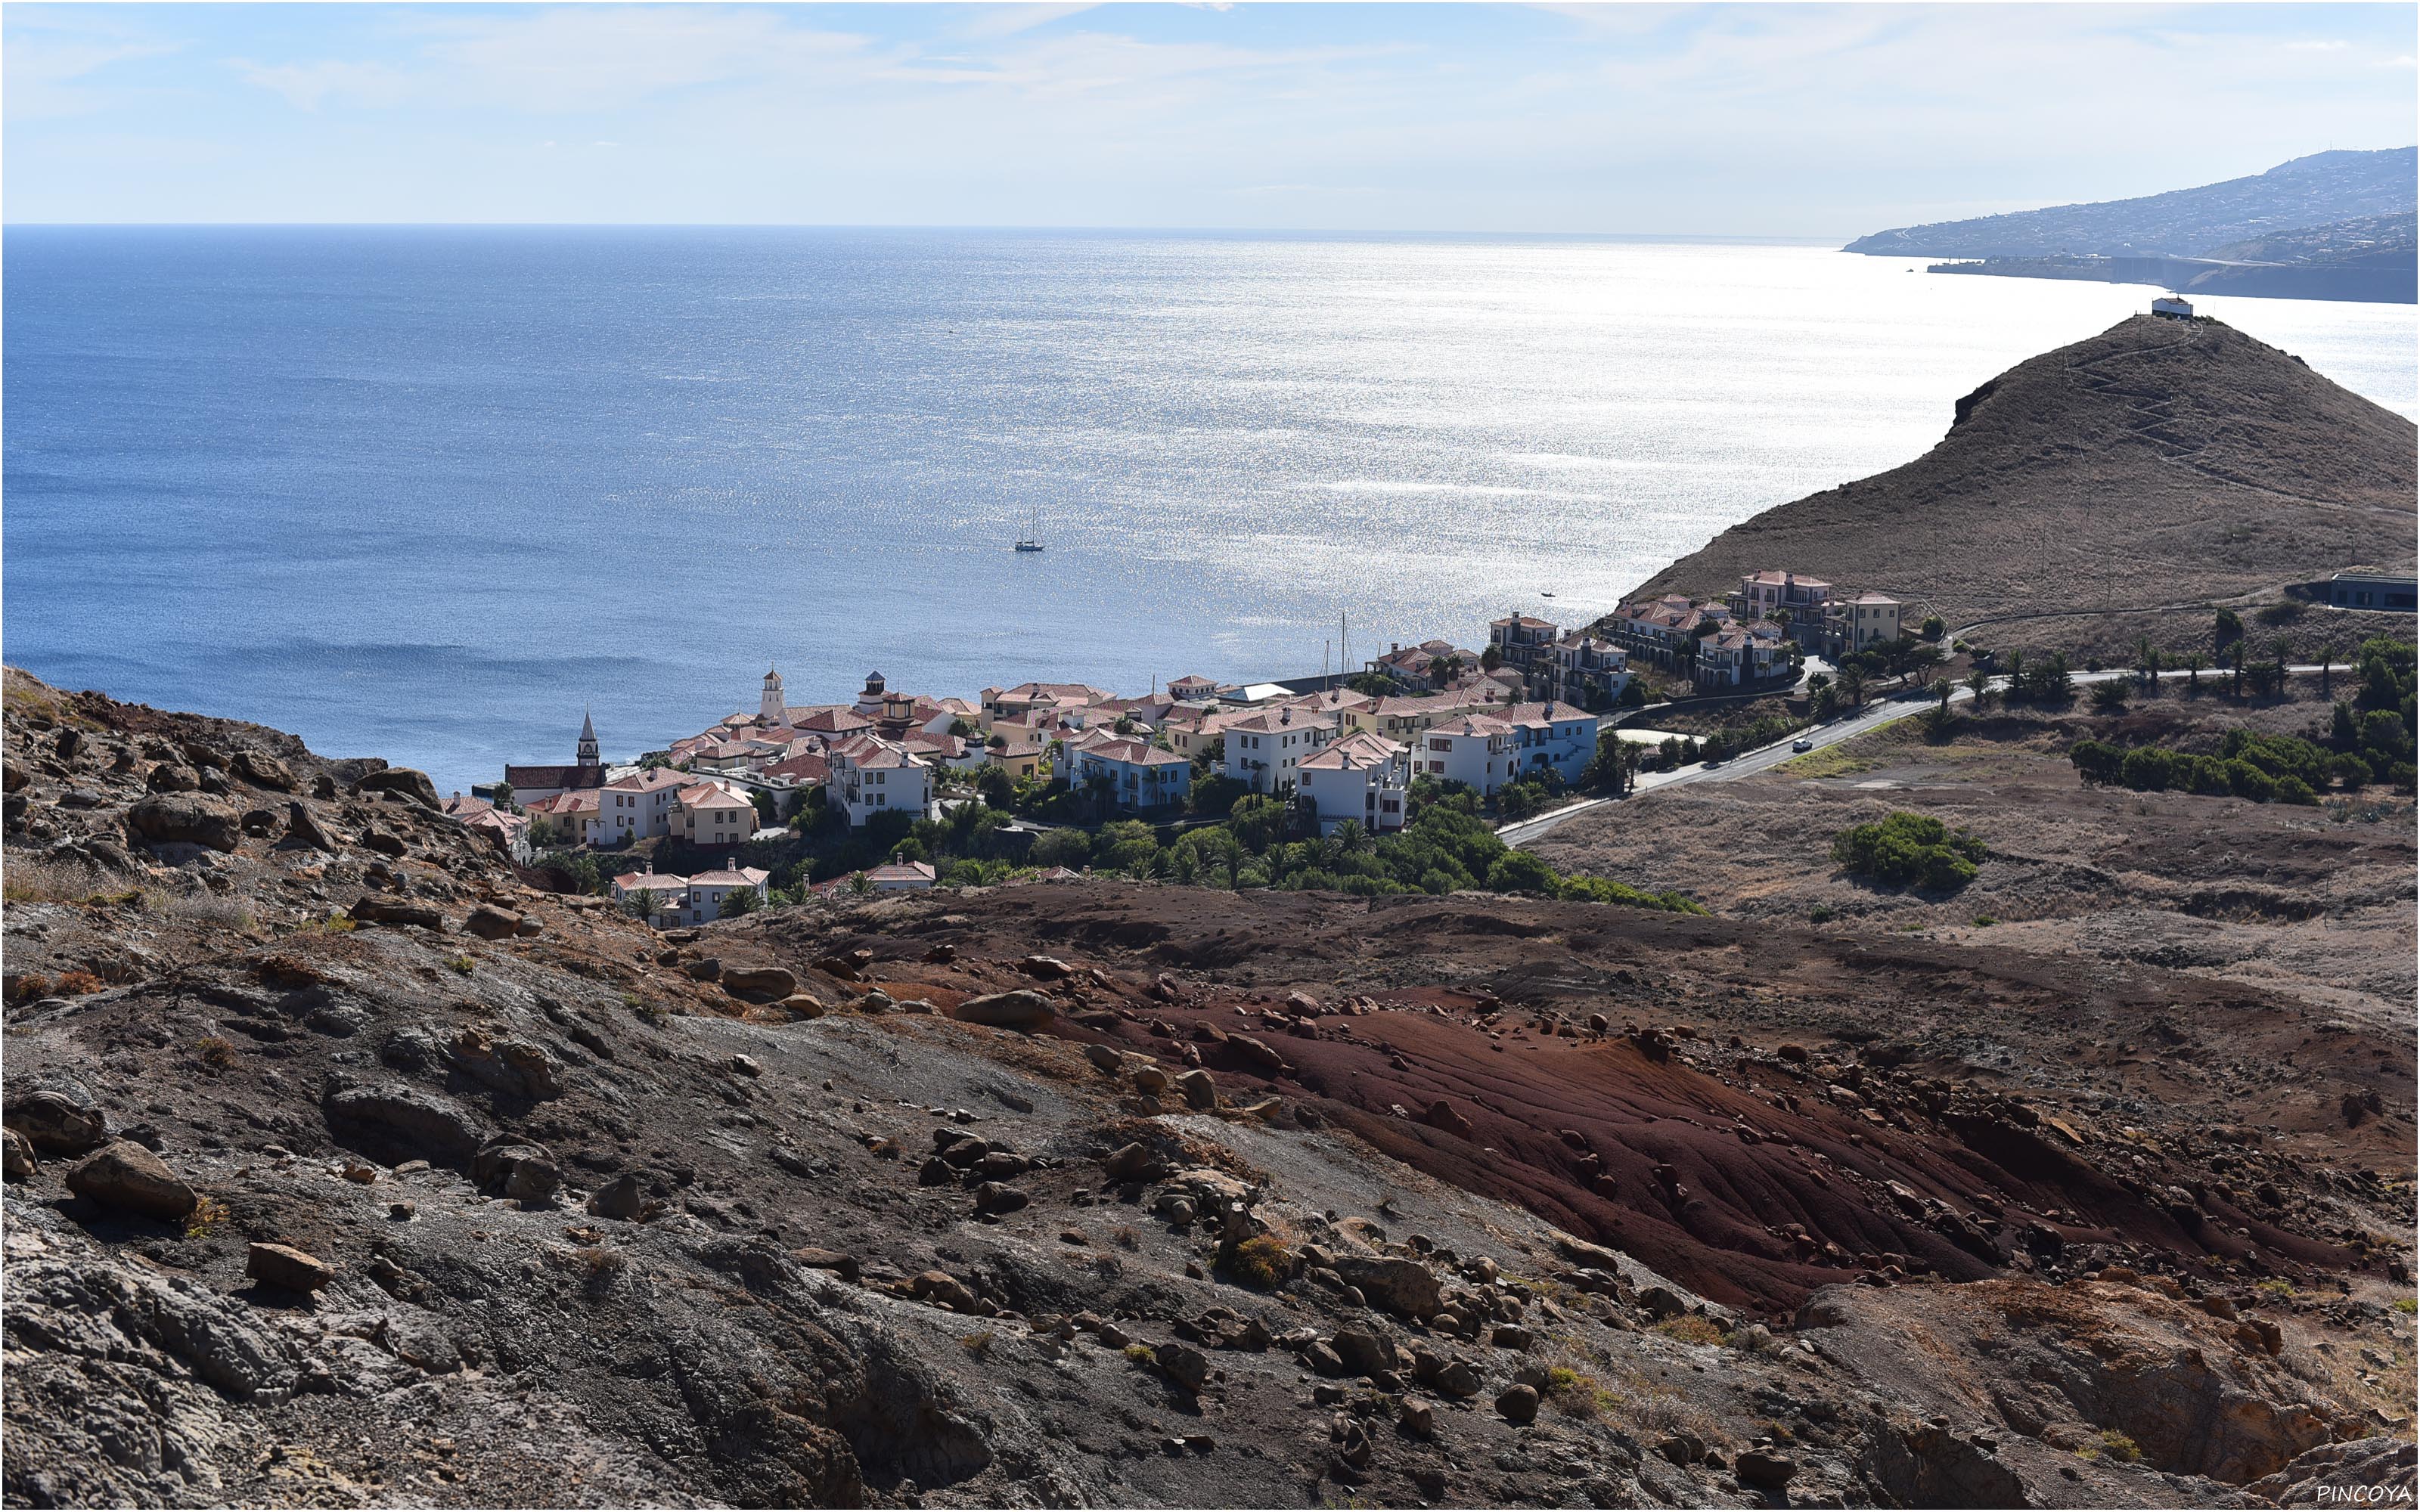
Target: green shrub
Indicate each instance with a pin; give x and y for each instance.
(1909, 850)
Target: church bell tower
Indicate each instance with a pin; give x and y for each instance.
(587, 739)
(771, 709)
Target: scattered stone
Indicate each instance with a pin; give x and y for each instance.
(186, 818)
(994, 1196)
(1200, 1092)
(1045, 968)
(16, 1157)
(126, 1175)
(510, 1166)
(1023, 1009)
(263, 771)
(281, 1265)
(404, 781)
(1184, 1364)
(56, 1124)
(759, 985)
(1419, 1417)
(1765, 1468)
(837, 1262)
(1104, 1057)
(304, 828)
(1404, 1287)
(1518, 1405)
(943, 1290)
(402, 1119)
(373, 909)
(619, 1199)
(1364, 1352)
(489, 922)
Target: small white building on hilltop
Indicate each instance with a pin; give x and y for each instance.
(2173, 306)
(1362, 777)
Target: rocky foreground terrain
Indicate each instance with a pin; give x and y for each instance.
(348, 1166)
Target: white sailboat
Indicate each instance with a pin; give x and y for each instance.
(1033, 539)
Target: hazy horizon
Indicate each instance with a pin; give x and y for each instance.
(1803, 123)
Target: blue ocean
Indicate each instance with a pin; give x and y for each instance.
(426, 493)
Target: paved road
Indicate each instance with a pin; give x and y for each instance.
(1764, 758)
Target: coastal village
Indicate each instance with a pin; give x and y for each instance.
(1337, 751)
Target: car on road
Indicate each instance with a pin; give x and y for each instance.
(1802, 744)
(1709, 765)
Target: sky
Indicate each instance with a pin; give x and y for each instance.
(1791, 120)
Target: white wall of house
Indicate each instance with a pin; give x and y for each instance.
(1564, 741)
(861, 792)
(1371, 795)
(1263, 754)
(1482, 758)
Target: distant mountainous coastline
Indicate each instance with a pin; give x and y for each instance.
(2334, 226)
(2159, 462)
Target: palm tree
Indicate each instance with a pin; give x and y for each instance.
(1852, 685)
(2194, 661)
(2234, 652)
(1941, 690)
(1979, 683)
(2327, 668)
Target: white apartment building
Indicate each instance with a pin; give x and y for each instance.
(1264, 750)
(638, 807)
(1362, 777)
(1476, 750)
(1557, 737)
(872, 776)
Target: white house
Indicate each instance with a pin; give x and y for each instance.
(2173, 307)
(1362, 777)
(638, 807)
(711, 814)
(669, 892)
(1476, 750)
(872, 776)
(1741, 654)
(1262, 751)
(1557, 737)
(703, 902)
(1583, 666)
(1139, 774)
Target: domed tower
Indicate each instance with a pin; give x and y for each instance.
(773, 710)
(587, 739)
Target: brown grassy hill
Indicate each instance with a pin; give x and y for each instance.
(2160, 462)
